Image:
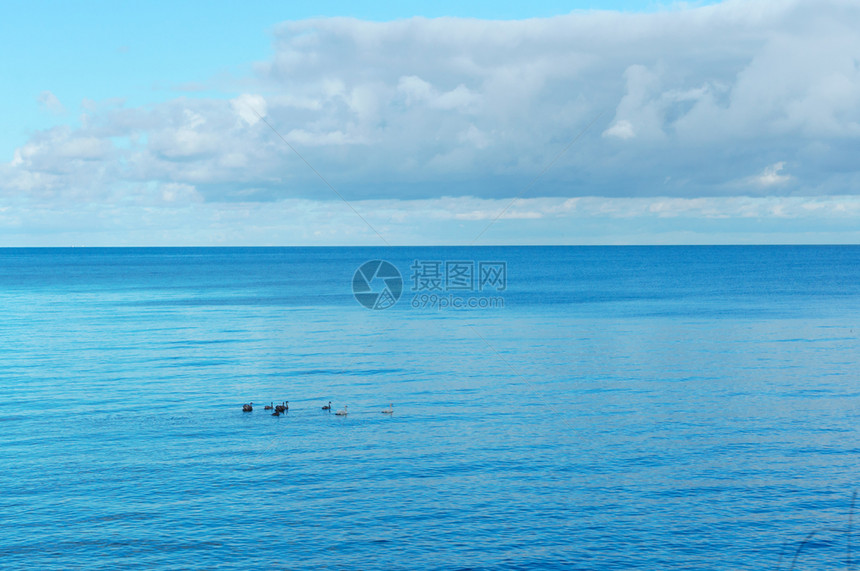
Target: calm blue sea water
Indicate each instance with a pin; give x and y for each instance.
(627, 408)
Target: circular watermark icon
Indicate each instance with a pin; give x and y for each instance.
(377, 284)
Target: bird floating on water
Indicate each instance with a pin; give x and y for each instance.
(268, 406)
(328, 406)
(342, 412)
(389, 410)
(283, 407)
(276, 413)
(247, 407)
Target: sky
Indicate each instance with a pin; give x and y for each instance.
(547, 122)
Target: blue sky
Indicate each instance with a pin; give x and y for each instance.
(710, 122)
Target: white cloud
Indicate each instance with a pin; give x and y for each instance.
(415, 89)
(190, 138)
(474, 136)
(418, 108)
(49, 102)
(250, 108)
(771, 177)
(461, 97)
(622, 129)
(308, 139)
(183, 193)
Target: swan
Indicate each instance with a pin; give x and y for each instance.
(327, 407)
(268, 407)
(276, 413)
(281, 407)
(342, 412)
(389, 410)
(247, 407)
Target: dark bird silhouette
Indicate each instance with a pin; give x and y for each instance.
(268, 407)
(328, 406)
(247, 407)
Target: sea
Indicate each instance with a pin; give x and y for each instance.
(553, 408)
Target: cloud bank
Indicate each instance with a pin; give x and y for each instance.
(179, 219)
(748, 98)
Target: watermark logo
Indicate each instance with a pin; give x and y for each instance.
(436, 284)
(458, 275)
(377, 284)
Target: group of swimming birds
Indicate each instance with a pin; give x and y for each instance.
(285, 406)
